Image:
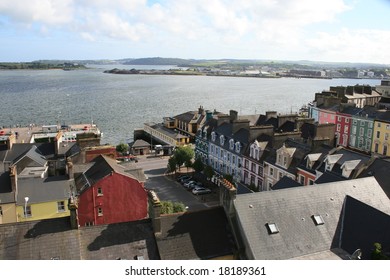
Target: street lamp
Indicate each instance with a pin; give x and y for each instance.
(25, 206)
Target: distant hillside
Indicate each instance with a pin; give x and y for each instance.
(158, 61)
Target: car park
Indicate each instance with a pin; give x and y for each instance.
(201, 190)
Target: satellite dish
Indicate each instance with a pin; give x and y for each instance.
(357, 255)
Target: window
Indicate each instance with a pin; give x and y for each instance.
(354, 122)
(27, 211)
(213, 136)
(99, 191)
(346, 120)
(370, 124)
(386, 136)
(231, 144)
(346, 129)
(378, 134)
(369, 133)
(253, 167)
(301, 179)
(354, 130)
(379, 124)
(376, 147)
(260, 172)
(272, 228)
(1, 211)
(285, 161)
(280, 175)
(384, 150)
(339, 119)
(100, 211)
(338, 127)
(88, 224)
(222, 140)
(311, 182)
(246, 164)
(238, 147)
(318, 220)
(60, 206)
(271, 171)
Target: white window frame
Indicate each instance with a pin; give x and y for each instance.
(100, 211)
(60, 206)
(222, 140)
(27, 212)
(231, 144)
(238, 147)
(213, 136)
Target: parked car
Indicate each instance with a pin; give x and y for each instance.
(201, 190)
(182, 177)
(194, 185)
(185, 180)
(187, 184)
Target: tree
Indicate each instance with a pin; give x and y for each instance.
(183, 155)
(377, 253)
(178, 207)
(172, 163)
(122, 148)
(209, 172)
(169, 207)
(198, 165)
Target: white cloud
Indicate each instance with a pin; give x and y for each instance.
(352, 45)
(50, 12)
(243, 27)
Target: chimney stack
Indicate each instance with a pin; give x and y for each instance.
(69, 167)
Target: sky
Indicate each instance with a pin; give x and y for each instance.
(317, 30)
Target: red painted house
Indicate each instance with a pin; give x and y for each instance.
(343, 126)
(107, 193)
(326, 116)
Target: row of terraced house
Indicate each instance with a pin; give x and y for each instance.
(345, 131)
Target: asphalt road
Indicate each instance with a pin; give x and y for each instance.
(165, 186)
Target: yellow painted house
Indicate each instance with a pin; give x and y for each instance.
(42, 198)
(381, 135)
(27, 193)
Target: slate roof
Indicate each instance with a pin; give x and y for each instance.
(43, 189)
(102, 167)
(292, 210)
(53, 238)
(202, 234)
(186, 117)
(285, 183)
(20, 149)
(140, 144)
(379, 168)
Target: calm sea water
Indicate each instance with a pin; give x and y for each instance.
(118, 104)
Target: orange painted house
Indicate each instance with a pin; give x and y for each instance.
(107, 193)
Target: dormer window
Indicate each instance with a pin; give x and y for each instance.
(222, 140)
(252, 153)
(231, 144)
(213, 136)
(238, 147)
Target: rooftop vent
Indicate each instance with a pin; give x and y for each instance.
(272, 228)
(318, 220)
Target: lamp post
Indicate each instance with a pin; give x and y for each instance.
(25, 206)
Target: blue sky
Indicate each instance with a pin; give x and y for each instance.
(319, 30)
